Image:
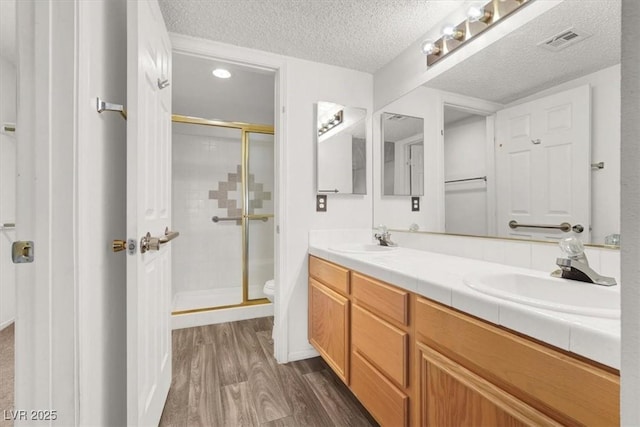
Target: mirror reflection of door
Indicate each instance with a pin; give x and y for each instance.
(466, 169)
(403, 155)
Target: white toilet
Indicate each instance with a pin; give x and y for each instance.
(269, 291)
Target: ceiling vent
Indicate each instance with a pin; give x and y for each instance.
(564, 39)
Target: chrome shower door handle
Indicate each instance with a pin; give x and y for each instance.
(149, 243)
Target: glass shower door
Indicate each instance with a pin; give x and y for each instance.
(259, 213)
(207, 268)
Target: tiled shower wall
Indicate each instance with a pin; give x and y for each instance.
(207, 258)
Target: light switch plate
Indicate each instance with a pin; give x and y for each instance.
(321, 203)
(415, 204)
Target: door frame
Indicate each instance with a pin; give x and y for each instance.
(482, 108)
(47, 300)
(266, 61)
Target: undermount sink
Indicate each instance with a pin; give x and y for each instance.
(362, 248)
(568, 296)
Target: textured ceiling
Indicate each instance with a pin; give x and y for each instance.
(515, 67)
(358, 34)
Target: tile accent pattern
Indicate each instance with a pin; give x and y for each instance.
(256, 194)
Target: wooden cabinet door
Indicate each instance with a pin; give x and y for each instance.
(329, 327)
(451, 395)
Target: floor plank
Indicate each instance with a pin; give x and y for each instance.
(266, 392)
(7, 361)
(339, 405)
(204, 404)
(236, 406)
(306, 409)
(230, 366)
(176, 408)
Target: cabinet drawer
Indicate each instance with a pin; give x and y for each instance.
(388, 300)
(383, 344)
(566, 388)
(388, 405)
(334, 276)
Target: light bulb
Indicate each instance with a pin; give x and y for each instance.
(451, 32)
(478, 13)
(428, 47)
(221, 73)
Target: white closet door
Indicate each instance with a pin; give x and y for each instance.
(543, 165)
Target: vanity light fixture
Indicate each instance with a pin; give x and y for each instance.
(480, 17)
(221, 73)
(334, 121)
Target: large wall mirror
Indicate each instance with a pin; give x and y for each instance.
(524, 136)
(341, 149)
(402, 155)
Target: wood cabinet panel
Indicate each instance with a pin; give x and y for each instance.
(386, 346)
(329, 327)
(388, 405)
(384, 299)
(454, 396)
(332, 275)
(564, 387)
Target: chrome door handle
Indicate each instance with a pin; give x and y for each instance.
(163, 83)
(148, 243)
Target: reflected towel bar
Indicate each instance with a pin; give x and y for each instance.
(565, 226)
(238, 218)
(483, 178)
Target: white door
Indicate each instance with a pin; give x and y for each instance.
(148, 211)
(416, 156)
(543, 166)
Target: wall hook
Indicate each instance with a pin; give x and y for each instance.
(108, 106)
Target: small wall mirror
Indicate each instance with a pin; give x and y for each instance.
(341, 149)
(402, 155)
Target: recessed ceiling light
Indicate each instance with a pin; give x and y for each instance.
(221, 73)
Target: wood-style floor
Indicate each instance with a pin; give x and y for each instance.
(7, 357)
(226, 375)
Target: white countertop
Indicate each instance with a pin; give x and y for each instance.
(440, 278)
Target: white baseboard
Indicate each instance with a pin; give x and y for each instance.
(303, 354)
(180, 321)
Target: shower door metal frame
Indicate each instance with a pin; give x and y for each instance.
(246, 129)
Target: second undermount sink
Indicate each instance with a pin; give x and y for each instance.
(567, 296)
(362, 248)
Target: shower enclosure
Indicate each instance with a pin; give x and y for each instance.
(223, 182)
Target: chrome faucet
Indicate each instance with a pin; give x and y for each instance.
(576, 266)
(383, 236)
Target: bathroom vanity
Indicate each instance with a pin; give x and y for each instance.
(414, 356)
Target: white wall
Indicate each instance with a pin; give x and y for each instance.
(308, 83)
(101, 211)
(630, 207)
(8, 159)
(605, 146)
(464, 157)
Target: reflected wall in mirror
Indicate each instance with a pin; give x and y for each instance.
(403, 155)
(519, 129)
(341, 149)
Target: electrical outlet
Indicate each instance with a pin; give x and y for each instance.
(321, 203)
(415, 204)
